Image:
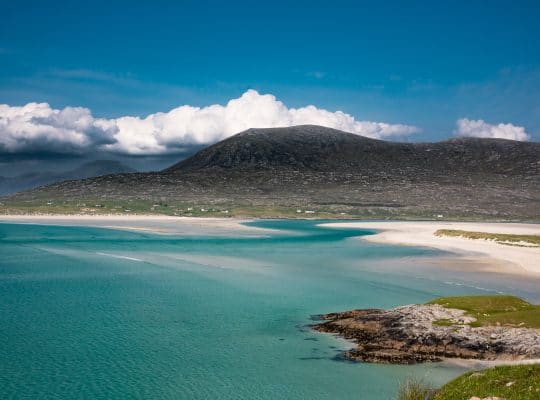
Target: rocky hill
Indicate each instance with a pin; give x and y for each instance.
(287, 171)
(315, 148)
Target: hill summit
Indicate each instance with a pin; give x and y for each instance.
(316, 148)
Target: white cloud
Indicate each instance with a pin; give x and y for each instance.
(480, 128)
(36, 126)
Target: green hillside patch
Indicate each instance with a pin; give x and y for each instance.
(519, 382)
(512, 240)
(494, 310)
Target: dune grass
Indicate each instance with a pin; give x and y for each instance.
(518, 382)
(513, 240)
(494, 310)
(413, 389)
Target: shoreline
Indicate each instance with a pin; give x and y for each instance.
(494, 256)
(419, 234)
(155, 224)
(410, 334)
(483, 364)
(480, 255)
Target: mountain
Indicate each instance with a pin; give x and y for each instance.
(315, 148)
(280, 171)
(40, 178)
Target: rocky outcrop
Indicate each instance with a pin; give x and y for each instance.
(408, 335)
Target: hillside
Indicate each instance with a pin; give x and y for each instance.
(315, 148)
(275, 172)
(40, 178)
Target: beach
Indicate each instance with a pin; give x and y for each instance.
(158, 224)
(485, 255)
(488, 254)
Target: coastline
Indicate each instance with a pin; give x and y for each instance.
(155, 224)
(481, 255)
(493, 256)
(483, 364)
(412, 333)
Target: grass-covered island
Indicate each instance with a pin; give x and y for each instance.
(469, 327)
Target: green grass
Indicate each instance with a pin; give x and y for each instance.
(503, 238)
(138, 207)
(48, 203)
(493, 310)
(519, 382)
(443, 322)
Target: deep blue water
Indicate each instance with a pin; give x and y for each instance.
(101, 314)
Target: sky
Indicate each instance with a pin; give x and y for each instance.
(131, 80)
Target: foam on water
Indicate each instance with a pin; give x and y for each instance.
(119, 256)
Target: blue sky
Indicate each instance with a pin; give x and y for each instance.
(419, 64)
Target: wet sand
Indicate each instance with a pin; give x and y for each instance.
(166, 225)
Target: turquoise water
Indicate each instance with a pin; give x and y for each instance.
(97, 313)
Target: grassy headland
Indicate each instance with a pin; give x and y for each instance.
(494, 310)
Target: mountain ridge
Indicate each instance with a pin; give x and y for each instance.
(318, 148)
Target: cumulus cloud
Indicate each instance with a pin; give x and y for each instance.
(36, 126)
(480, 128)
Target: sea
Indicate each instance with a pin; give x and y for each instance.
(96, 313)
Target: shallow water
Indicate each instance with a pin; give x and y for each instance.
(100, 313)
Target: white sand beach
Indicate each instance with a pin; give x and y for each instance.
(486, 255)
(159, 224)
(503, 258)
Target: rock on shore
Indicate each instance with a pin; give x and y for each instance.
(408, 335)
